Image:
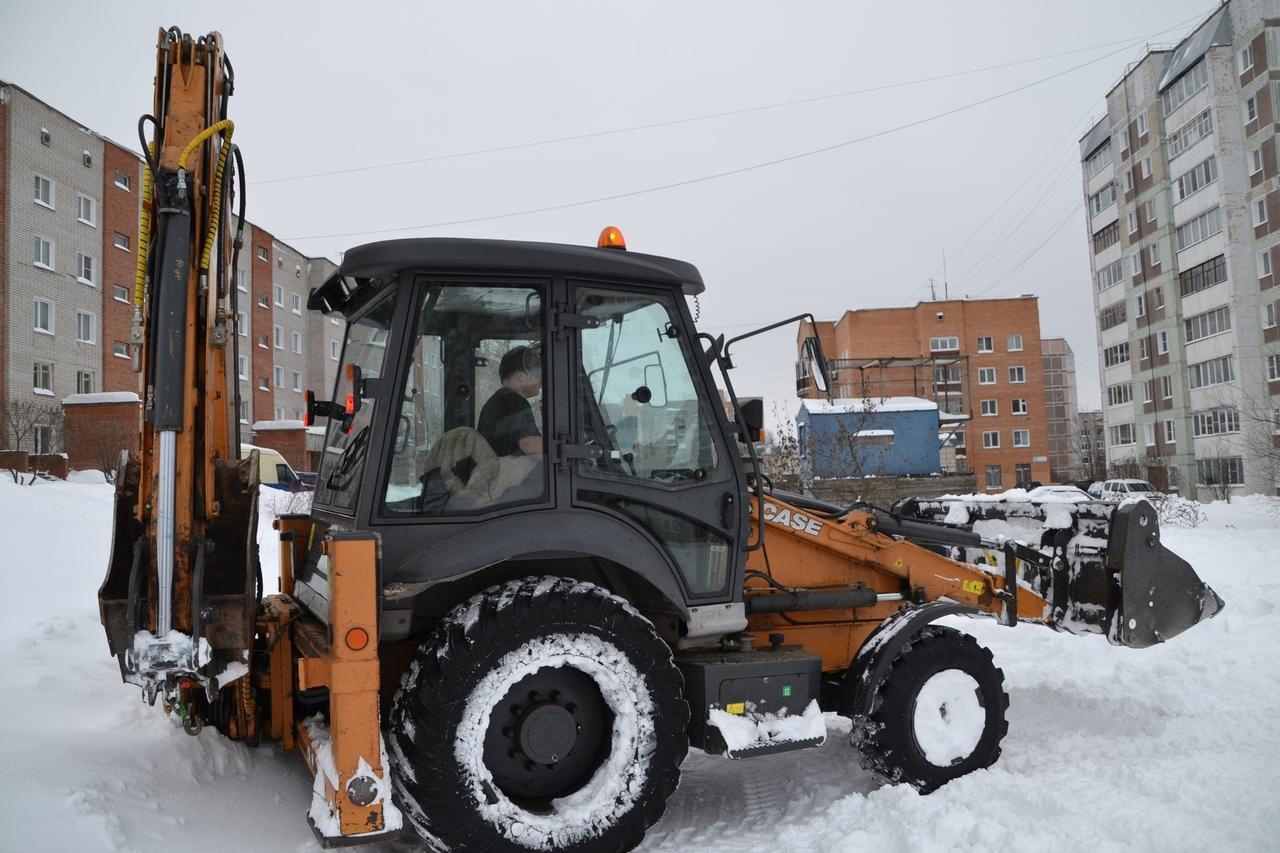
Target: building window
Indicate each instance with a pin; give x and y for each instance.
(1208, 324)
(1114, 355)
(279, 263)
(994, 478)
(1264, 263)
(1154, 254)
(119, 294)
(242, 324)
(1244, 59)
(1170, 433)
(1166, 387)
(262, 342)
(1106, 238)
(279, 413)
(1199, 229)
(242, 366)
(297, 343)
(333, 349)
(297, 381)
(944, 344)
(1098, 160)
(84, 269)
(1140, 305)
(1109, 275)
(43, 321)
(84, 327)
(42, 378)
(86, 210)
(1202, 276)
(1269, 315)
(1215, 371)
(1148, 391)
(1017, 374)
(42, 438)
(985, 344)
(242, 284)
(1019, 406)
(277, 295)
(45, 194)
(124, 181)
(1255, 161)
(1133, 221)
(989, 407)
(262, 253)
(1128, 181)
(84, 382)
(1135, 263)
(1144, 168)
(1190, 133)
(277, 335)
(295, 303)
(1102, 199)
(1159, 296)
(120, 349)
(277, 375)
(1142, 125)
(1220, 421)
(1122, 434)
(1149, 434)
(1162, 343)
(1014, 343)
(991, 439)
(44, 254)
(1250, 109)
(1022, 438)
(1112, 316)
(1228, 471)
(1273, 367)
(120, 241)
(986, 376)
(263, 385)
(1118, 395)
(1022, 473)
(242, 408)
(1259, 209)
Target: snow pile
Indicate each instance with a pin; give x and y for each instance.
(326, 820)
(752, 730)
(1109, 749)
(948, 719)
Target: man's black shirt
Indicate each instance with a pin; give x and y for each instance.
(506, 418)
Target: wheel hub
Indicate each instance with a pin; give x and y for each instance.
(546, 733)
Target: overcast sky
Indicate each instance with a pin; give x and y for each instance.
(325, 86)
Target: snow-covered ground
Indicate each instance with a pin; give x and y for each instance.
(1171, 748)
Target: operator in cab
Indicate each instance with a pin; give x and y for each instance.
(506, 420)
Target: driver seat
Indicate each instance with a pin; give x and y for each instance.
(474, 475)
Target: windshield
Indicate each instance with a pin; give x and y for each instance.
(347, 444)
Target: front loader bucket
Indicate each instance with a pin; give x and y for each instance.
(1160, 595)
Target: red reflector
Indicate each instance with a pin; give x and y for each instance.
(357, 639)
(351, 404)
(307, 420)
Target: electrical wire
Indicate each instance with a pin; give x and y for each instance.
(730, 172)
(689, 119)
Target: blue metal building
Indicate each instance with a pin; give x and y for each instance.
(894, 436)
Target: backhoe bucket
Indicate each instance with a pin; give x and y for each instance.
(1160, 594)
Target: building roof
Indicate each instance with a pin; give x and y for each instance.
(1098, 135)
(101, 397)
(841, 405)
(1214, 31)
(263, 426)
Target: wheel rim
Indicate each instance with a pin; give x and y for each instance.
(547, 736)
(948, 717)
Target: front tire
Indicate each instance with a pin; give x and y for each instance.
(937, 715)
(543, 714)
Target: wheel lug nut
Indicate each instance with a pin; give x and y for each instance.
(517, 710)
(571, 708)
(533, 696)
(555, 695)
(507, 731)
(513, 752)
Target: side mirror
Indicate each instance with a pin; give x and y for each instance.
(656, 381)
(315, 409)
(812, 368)
(752, 427)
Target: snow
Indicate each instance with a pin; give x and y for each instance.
(872, 433)
(259, 426)
(949, 718)
(101, 397)
(745, 731)
(1109, 749)
(840, 405)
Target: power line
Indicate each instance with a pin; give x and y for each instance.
(1053, 231)
(728, 173)
(687, 120)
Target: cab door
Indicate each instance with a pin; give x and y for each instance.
(647, 443)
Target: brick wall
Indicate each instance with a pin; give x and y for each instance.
(120, 208)
(290, 443)
(260, 309)
(95, 433)
(4, 237)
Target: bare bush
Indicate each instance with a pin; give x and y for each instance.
(1175, 511)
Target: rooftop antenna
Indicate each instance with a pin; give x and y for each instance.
(946, 288)
(933, 293)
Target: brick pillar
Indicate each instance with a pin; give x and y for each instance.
(98, 426)
(260, 308)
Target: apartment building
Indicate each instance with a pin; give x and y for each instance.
(1183, 207)
(1091, 442)
(980, 360)
(1061, 409)
(69, 205)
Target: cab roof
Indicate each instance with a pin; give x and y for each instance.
(366, 267)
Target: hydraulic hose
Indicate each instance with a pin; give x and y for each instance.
(144, 229)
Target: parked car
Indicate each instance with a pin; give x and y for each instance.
(1118, 490)
(309, 479)
(274, 471)
(1058, 494)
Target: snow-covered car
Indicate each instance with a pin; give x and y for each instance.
(1058, 494)
(1118, 490)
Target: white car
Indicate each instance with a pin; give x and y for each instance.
(1118, 490)
(1058, 494)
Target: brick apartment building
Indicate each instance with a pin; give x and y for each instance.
(69, 205)
(980, 360)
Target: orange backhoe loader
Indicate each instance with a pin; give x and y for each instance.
(538, 566)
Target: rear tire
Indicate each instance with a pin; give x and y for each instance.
(937, 715)
(543, 714)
